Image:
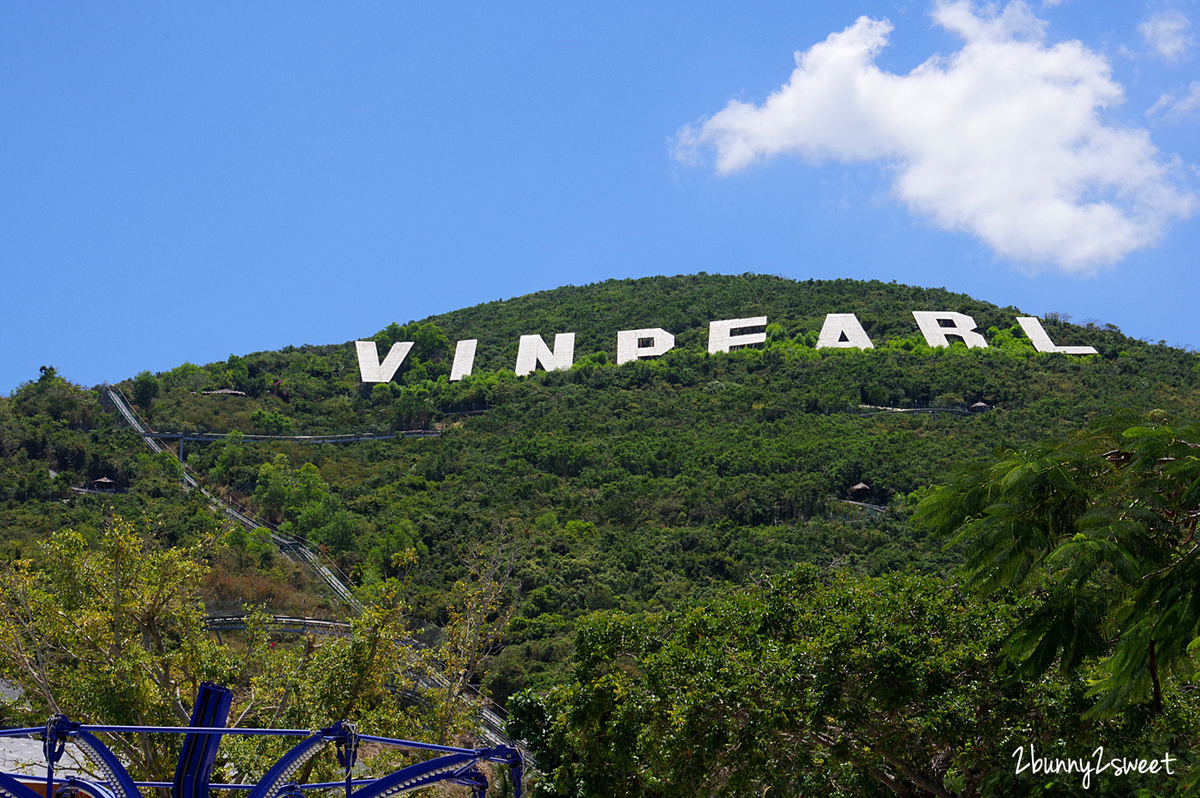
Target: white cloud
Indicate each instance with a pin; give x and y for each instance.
(1167, 33)
(1172, 106)
(1190, 103)
(1001, 139)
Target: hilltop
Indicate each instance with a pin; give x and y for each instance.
(632, 487)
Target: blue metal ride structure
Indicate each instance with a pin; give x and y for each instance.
(208, 724)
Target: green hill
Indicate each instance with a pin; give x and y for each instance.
(631, 487)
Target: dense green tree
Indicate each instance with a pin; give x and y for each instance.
(145, 388)
(111, 631)
(815, 683)
(55, 398)
(1102, 527)
(271, 422)
(284, 491)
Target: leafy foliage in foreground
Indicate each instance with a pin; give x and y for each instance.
(111, 631)
(820, 683)
(1102, 527)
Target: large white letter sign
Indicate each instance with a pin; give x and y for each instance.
(1041, 341)
(630, 344)
(464, 359)
(961, 325)
(369, 367)
(842, 331)
(721, 336)
(532, 350)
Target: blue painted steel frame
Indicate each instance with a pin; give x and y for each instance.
(194, 770)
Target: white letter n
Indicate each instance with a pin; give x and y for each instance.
(532, 350)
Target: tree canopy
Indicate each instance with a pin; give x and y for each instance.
(817, 683)
(1102, 527)
(112, 631)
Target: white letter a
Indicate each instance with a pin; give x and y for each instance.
(843, 331)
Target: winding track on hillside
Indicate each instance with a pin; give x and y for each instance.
(284, 624)
(348, 437)
(288, 546)
(492, 721)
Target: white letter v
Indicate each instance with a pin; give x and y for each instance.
(369, 366)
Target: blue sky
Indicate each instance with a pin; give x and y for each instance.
(179, 182)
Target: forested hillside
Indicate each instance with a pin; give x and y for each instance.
(634, 488)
